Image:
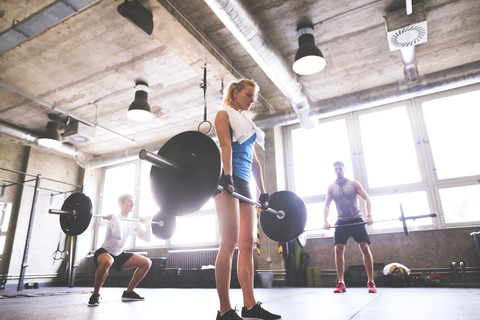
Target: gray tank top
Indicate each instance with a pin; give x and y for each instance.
(345, 196)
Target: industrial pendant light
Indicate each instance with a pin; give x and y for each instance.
(309, 59)
(50, 138)
(139, 109)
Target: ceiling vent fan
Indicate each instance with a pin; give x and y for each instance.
(410, 35)
(404, 32)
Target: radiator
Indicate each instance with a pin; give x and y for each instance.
(195, 259)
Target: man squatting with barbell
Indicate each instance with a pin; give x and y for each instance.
(111, 253)
(344, 192)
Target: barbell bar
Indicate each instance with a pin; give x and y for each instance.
(431, 215)
(74, 212)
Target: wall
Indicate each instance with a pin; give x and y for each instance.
(46, 234)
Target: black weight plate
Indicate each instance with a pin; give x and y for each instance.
(75, 224)
(186, 191)
(292, 225)
(166, 230)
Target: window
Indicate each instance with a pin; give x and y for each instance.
(388, 148)
(147, 207)
(195, 229)
(422, 154)
(453, 133)
(387, 207)
(461, 204)
(5, 211)
(315, 219)
(314, 151)
(118, 180)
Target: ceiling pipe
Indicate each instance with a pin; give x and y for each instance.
(67, 113)
(410, 69)
(246, 28)
(453, 78)
(31, 138)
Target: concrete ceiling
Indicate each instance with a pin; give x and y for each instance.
(86, 65)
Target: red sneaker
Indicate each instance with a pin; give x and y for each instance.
(371, 287)
(340, 287)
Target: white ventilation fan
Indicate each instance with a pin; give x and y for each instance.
(407, 36)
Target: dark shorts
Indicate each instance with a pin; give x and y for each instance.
(118, 261)
(241, 187)
(358, 232)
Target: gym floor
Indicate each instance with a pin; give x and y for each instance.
(292, 303)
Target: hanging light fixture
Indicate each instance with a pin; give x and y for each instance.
(139, 109)
(308, 59)
(50, 138)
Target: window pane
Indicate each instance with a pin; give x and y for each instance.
(453, 133)
(118, 181)
(155, 242)
(461, 204)
(315, 219)
(314, 152)
(147, 206)
(193, 229)
(2, 244)
(388, 207)
(389, 148)
(6, 209)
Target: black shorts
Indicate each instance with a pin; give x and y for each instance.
(118, 261)
(358, 232)
(241, 187)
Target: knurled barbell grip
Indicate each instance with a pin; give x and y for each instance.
(280, 214)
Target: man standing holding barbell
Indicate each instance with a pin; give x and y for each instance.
(344, 192)
(236, 218)
(111, 253)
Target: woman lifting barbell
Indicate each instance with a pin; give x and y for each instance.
(237, 135)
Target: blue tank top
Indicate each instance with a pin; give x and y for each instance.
(242, 158)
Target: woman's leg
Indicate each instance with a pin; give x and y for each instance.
(245, 253)
(227, 208)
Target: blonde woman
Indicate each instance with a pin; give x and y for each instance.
(237, 135)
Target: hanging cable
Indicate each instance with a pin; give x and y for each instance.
(203, 85)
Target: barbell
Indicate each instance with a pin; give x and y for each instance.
(184, 176)
(76, 214)
(302, 238)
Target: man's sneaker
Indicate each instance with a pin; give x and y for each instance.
(258, 313)
(229, 315)
(340, 287)
(94, 300)
(371, 287)
(131, 296)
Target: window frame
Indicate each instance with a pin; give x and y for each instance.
(428, 183)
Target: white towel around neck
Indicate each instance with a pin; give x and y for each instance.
(243, 127)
